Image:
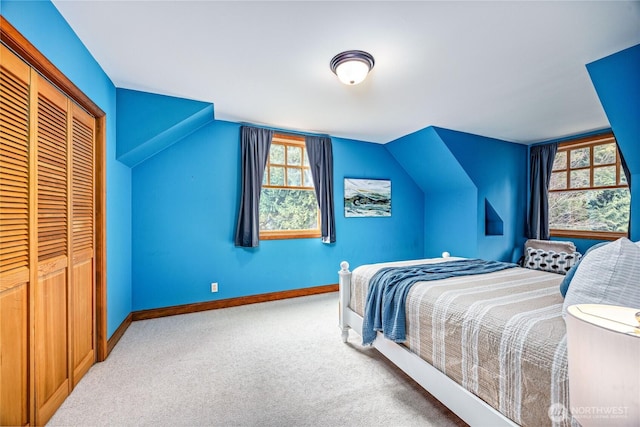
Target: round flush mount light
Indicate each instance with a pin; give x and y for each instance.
(352, 66)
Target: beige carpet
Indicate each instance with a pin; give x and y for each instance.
(279, 363)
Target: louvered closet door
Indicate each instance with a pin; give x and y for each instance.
(82, 241)
(51, 339)
(14, 239)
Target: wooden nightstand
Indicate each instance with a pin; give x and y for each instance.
(603, 343)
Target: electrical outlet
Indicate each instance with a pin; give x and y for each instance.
(214, 287)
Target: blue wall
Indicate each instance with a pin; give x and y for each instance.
(450, 221)
(499, 171)
(181, 203)
(41, 23)
(185, 202)
(459, 173)
(616, 79)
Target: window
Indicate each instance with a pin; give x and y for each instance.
(588, 193)
(288, 206)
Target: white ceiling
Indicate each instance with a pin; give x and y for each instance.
(509, 70)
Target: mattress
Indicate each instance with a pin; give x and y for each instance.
(499, 335)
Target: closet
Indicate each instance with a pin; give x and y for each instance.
(47, 243)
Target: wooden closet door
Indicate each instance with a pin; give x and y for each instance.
(82, 301)
(14, 239)
(51, 291)
(48, 236)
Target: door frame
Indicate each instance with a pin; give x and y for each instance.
(14, 40)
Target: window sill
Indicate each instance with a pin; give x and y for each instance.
(595, 235)
(294, 234)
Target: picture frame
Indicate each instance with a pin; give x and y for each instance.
(367, 197)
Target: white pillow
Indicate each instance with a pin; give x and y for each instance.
(609, 274)
(550, 245)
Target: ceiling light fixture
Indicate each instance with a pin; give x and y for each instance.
(352, 66)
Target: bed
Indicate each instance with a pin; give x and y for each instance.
(491, 347)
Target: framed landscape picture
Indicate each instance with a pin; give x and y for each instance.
(367, 197)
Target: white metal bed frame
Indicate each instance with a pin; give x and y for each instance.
(470, 408)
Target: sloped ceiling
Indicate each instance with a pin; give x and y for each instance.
(620, 98)
(509, 70)
(166, 121)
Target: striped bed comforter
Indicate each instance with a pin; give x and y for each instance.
(500, 335)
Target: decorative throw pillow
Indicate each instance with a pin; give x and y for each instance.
(554, 262)
(609, 275)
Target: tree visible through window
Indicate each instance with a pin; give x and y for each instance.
(588, 193)
(288, 206)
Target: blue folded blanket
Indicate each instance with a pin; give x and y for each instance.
(389, 287)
